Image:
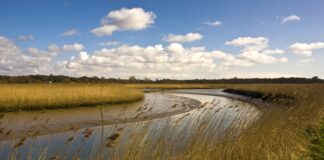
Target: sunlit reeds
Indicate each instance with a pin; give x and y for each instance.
(278, 132)
(48, 96)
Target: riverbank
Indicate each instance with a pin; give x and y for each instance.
(279, 133)
(293, 128)
(16, 97)
(44, 122)
(140, 136)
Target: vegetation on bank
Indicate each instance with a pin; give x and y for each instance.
(134, 80)
(280, 132)
(15, 97)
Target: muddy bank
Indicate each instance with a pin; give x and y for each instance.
(210, 92)
(31, 123)
(156, 104)
(265, 97)
(210, 122)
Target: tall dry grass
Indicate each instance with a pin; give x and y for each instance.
(48, 96)
(281, 132)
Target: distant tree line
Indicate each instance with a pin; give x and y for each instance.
(133, 79)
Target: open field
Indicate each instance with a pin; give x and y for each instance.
(49, 96)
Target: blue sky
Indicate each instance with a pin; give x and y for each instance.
(253, 30)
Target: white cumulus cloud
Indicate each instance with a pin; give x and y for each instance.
(275, 51)
(255, 50)
(14, 62)
(173, 60)
(306, 49)
(105, 30)
(189, 37)
(125, 19)
(156, 61)
(7, 47)
(39, 53)
(253, 43)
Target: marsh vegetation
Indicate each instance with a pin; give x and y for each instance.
(50, 96)
(283, 126)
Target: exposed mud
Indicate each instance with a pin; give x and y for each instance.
(166, 120)
(153, 106)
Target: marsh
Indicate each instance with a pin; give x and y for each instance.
(145, 123)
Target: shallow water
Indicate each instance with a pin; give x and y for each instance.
(173, 131)
(53, 121)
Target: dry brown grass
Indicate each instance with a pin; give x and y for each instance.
(280, 133)
(49, 96)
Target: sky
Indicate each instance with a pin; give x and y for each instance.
(177, 39)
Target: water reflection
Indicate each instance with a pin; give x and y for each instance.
(165, 135)
(24, 123)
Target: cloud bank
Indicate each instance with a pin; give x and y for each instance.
(169, 61)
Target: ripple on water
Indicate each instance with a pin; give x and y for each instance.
(173, 131)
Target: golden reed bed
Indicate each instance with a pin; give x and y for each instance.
(49, 96)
